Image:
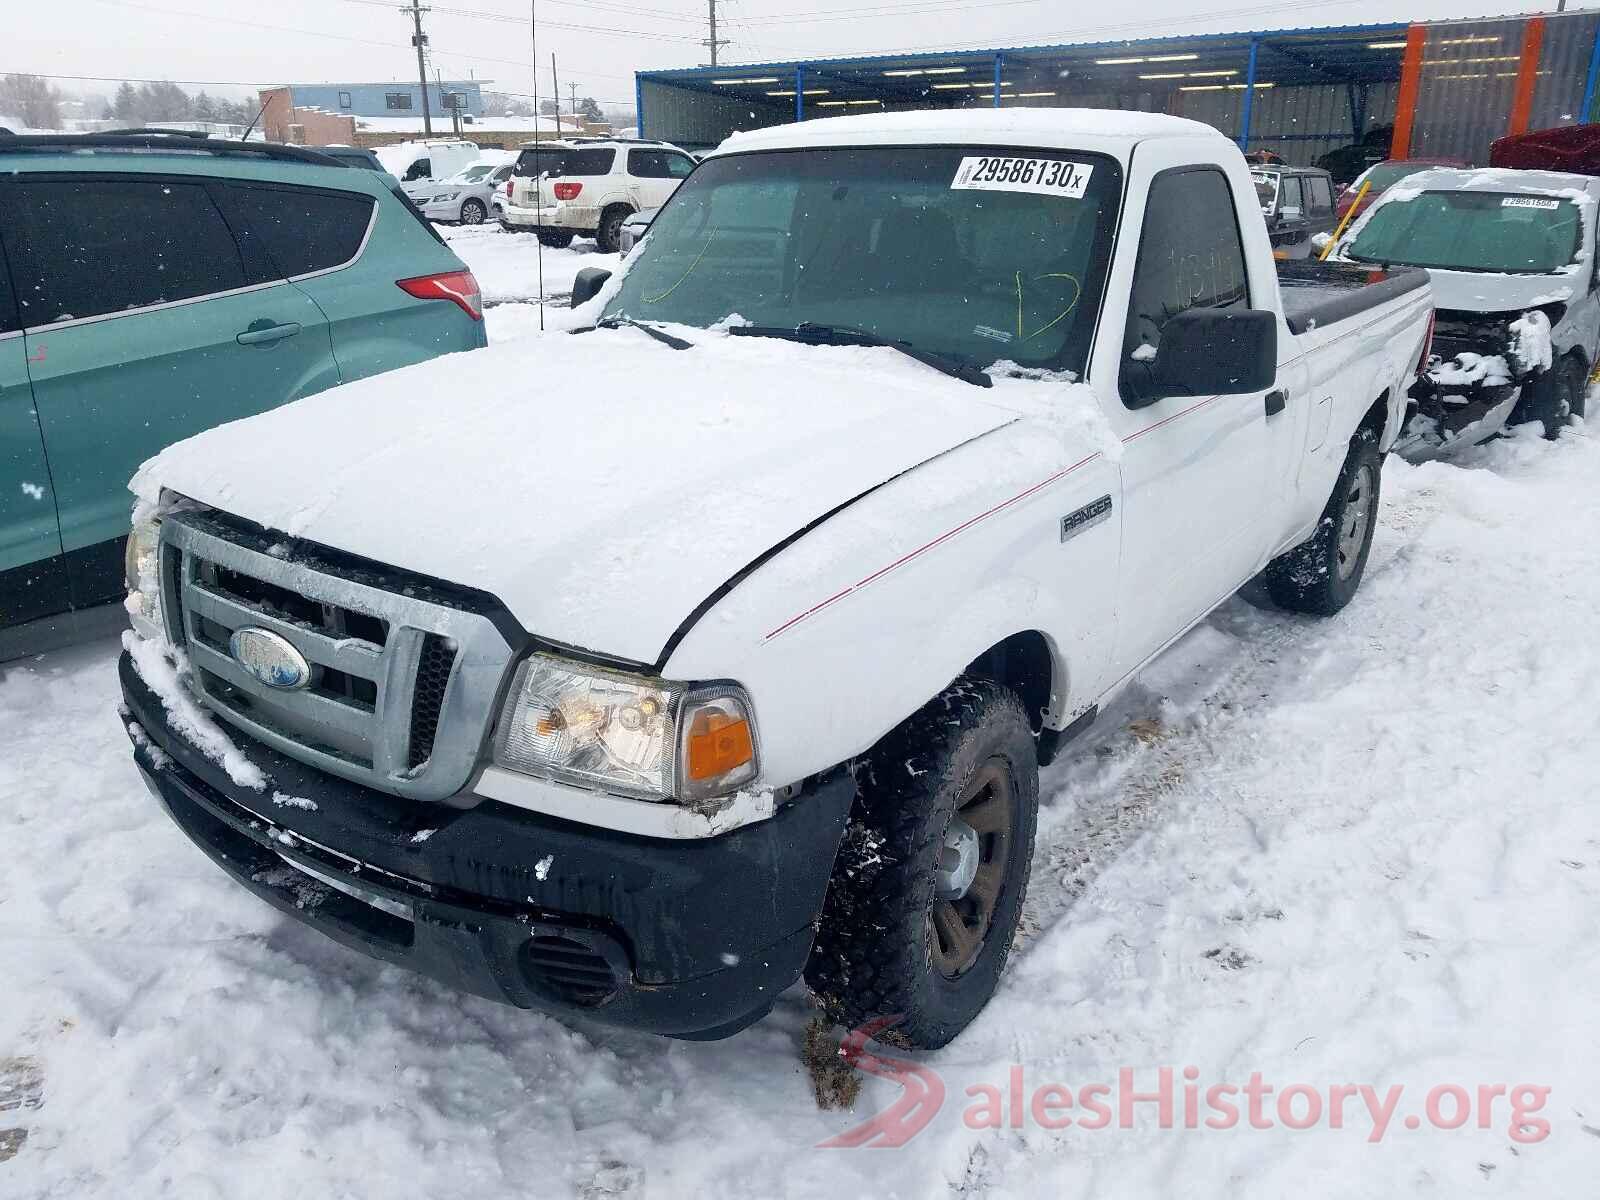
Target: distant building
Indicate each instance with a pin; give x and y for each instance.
(389, 99)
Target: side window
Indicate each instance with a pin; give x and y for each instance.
(647, 164)
(679, 165)
(1190, 256)
(84, 248)
(503, 174)
(344, 99)
(297, 230)
(586, 162)
(1321, 193)
(1292, 197)
(421, 169)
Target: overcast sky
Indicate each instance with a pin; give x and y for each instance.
(312, 41)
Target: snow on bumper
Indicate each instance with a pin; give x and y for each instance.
(687, 939)
(551, 216)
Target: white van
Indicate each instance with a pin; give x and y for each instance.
(424, 162)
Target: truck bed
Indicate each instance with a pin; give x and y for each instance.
(1316, 294)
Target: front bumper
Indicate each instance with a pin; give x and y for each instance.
(691, 939)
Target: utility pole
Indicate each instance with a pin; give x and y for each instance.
(420, 40)
(555, 81)
(573, 89)
(714, 41)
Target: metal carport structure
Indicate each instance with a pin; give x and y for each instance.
(1447, 87)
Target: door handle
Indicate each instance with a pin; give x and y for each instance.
(1276, 402)
(260, 333)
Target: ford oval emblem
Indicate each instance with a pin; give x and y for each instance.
(269, 658)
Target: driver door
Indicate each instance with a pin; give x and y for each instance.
(1196, 498)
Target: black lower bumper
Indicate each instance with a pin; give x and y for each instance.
(691, 939)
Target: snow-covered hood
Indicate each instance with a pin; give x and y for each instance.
(1478, 291)
(602, 486)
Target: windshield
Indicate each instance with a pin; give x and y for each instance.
(980, 255)
(1472, 231)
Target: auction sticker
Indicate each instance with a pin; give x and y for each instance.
(1528, 202)
(1041, 176)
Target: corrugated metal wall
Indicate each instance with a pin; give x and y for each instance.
(1563, 69)
(692, 118)
(1300, 123)
(1469, 80)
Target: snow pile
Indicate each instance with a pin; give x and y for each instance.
(1531, 342)
(1471, 370)
(506, 265)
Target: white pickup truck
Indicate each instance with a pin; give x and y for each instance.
(731, 651)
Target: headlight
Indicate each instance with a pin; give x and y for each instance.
(443, 196)
(645, 738)
(141, 567)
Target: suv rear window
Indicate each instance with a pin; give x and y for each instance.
(587, 162)
(299, 230)
(87, 247)
(541, 161)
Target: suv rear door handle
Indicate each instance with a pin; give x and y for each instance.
(1276, 402)
(260, 333)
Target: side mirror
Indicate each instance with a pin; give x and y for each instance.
(1208, 352)
(587, 285)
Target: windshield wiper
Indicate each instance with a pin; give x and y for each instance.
(660, 335)
(844, 335)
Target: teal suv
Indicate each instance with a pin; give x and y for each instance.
(154, 285)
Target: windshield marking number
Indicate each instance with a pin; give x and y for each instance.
(1040, 176)
(1529, 202)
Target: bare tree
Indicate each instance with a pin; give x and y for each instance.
(32, 99)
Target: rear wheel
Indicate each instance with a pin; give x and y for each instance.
(609, 235)
(473, 212)
(1321, 576)
(557, 238)
(928, 888)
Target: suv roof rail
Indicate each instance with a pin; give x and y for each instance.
(166, 140)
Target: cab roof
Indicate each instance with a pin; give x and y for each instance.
(1056, 128)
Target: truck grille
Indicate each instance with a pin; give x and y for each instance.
(402, 687)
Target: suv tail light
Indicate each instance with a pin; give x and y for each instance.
(457, 286)
(567, 191)
(509, 184)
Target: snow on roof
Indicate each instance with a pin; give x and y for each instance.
(441, 124)
(1038, 126)
(1495, 179)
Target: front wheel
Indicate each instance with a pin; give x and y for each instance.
(473, 212)
(928, 887)
(1321, 576)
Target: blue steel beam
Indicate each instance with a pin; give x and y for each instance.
(1249, 96)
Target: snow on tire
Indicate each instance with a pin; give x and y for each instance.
(929, 884)
(1320, 576)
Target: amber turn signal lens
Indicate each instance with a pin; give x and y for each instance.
(717, 743)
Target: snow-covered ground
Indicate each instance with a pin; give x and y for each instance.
(1362, 851)
(507, 264)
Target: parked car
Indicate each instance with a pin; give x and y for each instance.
(1347, 162)
(1512, 257)
(468, 197)
(753, 677)
(1574, 149)
(158, 287)
(634, 229)
(419, 165)
(588, 189)
(353, 156)
(1297, 203)
(1380, 177)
